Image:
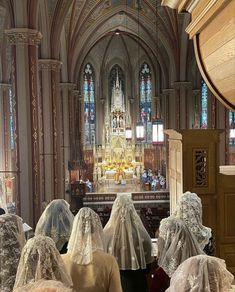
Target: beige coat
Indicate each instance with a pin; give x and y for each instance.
(100, 276)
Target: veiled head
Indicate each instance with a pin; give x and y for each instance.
(189, 209)
(176, 243)
(56, 222)
(201, 273)
(86, 236)
(126, 237)
(12, 240)
(189, 205)
(40, 259)
(122, 207)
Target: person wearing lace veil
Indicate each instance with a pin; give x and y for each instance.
(44, 286)
(176, 243)
(56, 222)
(201, 273)
(40, 259)
(128, 241)
(91, 269)
(12, 241)
(189, 209)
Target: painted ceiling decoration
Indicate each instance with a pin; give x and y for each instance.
(156, 29)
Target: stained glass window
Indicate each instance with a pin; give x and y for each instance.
(146, 100)
(231, 117)
(11, 120)
(204, 105)
(89, 104)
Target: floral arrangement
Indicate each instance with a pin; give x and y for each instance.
(118, 165)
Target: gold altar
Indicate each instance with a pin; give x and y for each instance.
(118, 159)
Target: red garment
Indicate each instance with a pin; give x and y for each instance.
(160, 281)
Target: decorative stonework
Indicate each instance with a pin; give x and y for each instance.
(23, 36)
(49, 64)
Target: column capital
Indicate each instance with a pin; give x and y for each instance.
(181, 84)
(67, 85)
(5, 86)
(23, 36)
(167, 90)
(49, 64)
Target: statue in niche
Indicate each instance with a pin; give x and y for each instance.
(121, 122)
(114, 122)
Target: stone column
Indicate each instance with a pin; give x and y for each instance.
(66, 90)
(52, 128)
(76, 123)
(181, 95)
(194, 110)
(154, 107)
(25, 42)
(168, 109)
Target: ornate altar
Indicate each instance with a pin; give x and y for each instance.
(117, 159)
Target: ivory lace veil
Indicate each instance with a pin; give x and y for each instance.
(86, 236)
(126, 237)
(56, 222)
(176, 243)
(201, 273)
(12, 241)
(40, 259)
(189, 209)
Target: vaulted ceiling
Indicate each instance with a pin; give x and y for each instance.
(72, 28)
(155, 29)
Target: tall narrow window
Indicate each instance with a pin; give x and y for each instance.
(146, 100)
(231, 117)
(89, 104)
(204, 105)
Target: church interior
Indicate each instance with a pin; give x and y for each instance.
(104, 97)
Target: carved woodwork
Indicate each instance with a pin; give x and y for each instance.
(193, 166)
(212, 29)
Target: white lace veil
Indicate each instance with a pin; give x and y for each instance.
(44, 286)
(12, 241)
(126, 237)
(201, 273)
(86, 236)
(189, 209)
(56, 222)
(40, 259)
(175, 244)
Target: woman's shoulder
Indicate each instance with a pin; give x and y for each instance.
(103, 256)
